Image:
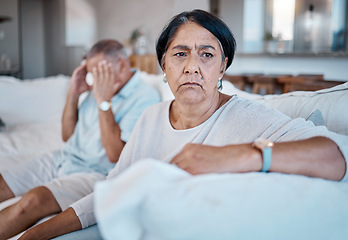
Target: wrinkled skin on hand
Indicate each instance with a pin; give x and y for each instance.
(78, 84)
(105, 85)
(200, 159)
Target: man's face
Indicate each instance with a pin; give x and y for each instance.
(95, 60)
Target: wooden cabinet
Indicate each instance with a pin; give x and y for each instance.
(147, 63)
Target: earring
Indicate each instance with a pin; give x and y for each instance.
(219, 84)
(164, 78)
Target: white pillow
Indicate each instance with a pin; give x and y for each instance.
(36, 100)
(331, 102)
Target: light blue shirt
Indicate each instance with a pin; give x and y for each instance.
(84, 151)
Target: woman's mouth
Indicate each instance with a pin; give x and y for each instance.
(191, 84)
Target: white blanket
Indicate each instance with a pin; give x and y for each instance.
(155, 200)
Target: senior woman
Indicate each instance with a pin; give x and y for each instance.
(203, 130)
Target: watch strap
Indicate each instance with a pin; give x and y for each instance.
(266, 149)
(267, 159)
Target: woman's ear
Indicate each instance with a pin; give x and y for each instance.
(223, 68)
(225, 64)
(163, 65)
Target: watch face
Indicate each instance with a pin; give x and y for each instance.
(263, 143)
(104, 106)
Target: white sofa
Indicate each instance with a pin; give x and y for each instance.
(31, 111)
(332, 103)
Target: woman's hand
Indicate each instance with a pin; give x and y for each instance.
(104, 85)
(200, 159)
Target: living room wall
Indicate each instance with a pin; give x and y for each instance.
(118, 18)
(114, 18)
(46, 52)
(32, 38)
(9, 36)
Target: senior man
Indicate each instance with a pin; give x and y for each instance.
(95, 132)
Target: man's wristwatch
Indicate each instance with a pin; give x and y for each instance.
(266, 148)
(105, 105)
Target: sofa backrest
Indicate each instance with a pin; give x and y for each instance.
(42, 100)
(28, 101)
(332, 103)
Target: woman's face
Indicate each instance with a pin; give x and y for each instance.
(193, 64)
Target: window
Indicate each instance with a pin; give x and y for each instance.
(283, 19)
(253, 29)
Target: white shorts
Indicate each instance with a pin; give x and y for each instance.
(42, 171)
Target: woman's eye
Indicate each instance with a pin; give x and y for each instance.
(179, 54)
(207, 55)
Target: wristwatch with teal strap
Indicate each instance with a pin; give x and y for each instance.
(266, 148)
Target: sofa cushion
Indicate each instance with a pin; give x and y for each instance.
(331, 102)
(317, 118)
(36, 100)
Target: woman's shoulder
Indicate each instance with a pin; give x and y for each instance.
(244, 106)
(240, 100)
(157, 110)
(161, 106)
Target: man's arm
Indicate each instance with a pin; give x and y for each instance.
(104, 88)
(314, 157)
(70, 116)
(63, 223)
(110, 135)
(70, 113)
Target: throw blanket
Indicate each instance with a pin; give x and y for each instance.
(155, 200)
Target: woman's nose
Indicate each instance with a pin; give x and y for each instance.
(192, 65)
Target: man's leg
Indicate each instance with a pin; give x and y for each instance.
(5, 191)
(33, 206)
(67, 190)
